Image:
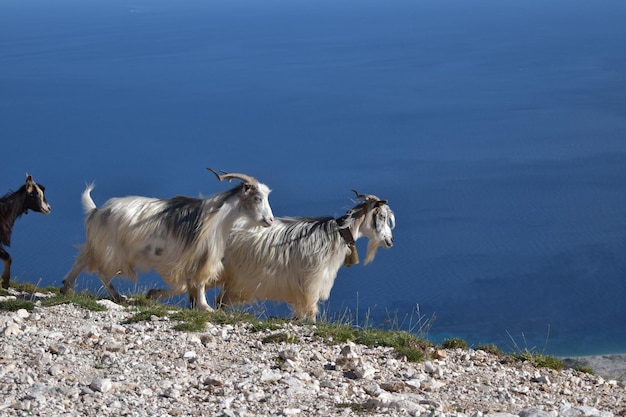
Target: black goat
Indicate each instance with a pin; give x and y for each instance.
(30, 196)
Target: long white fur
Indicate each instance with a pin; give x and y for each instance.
(182, 238)
(297, 260)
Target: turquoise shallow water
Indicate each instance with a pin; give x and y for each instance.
(496, 132)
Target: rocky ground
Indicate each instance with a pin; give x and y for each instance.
(68, 361)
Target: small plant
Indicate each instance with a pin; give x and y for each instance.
(415, 323)
(82, 299)
(267, 325)
(14, 305)
(236, 317)
(146, 314)
(192, 320)
(539, 360)
(406, 344)
(535, 358)
(454, 343)
(31, 288)
(584, 369)
(493, 349)
(280, 338)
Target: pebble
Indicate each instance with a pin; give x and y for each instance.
(101, 385)
(63, 360)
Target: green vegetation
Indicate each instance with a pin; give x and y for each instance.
(539, 360)
(192, 320)
(492, 349)
(82, 299)
(280, 338)
(32, 288)
(584, 369)
(454, 343)
(14, 305)
(414, 348)
(267, 325)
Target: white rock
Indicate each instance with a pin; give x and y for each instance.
(110, 305)
(22, 313)
(190, 354)
(267, 375)
(414, 383)
(101, 385)
(364, 371)
(11, 329)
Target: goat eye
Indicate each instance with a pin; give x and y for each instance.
(257, 199)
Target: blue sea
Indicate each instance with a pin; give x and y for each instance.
(496, 130)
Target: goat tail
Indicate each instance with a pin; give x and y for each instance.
(88, 204)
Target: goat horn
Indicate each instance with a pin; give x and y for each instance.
(366, 196)
(229, 176)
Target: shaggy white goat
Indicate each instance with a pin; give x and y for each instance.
(297, 259)
(181, 238)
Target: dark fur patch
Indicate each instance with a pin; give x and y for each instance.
(11, 208)
(183, 217)
(354, 213)
(327, 224)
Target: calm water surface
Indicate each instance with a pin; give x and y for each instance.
(496, 130)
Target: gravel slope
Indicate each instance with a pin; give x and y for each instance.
(67, 361)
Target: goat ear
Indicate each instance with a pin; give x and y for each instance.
(29, 182)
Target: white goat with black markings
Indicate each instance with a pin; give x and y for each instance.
(297, 259)
(181, 238)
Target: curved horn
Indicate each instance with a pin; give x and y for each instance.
(229, 176)
(366, 196)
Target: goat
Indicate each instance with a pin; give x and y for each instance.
(181, 238)
(30, 196)
(297, 259)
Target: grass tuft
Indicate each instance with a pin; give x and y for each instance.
(490, 348)
(14, 305)
(454, 343)
(408, 345)
(280, 338)
(539, 360)
(31, 288)
(82, 299)
(584, 369)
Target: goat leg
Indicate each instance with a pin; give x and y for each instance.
(201, 303)
(6, 273)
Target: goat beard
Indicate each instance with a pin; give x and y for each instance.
(372, 247)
